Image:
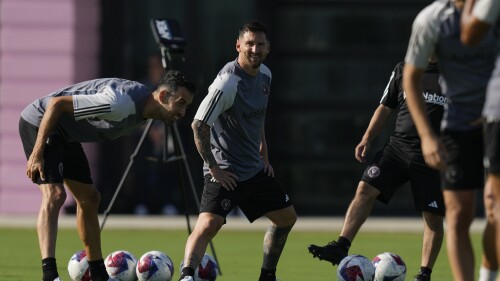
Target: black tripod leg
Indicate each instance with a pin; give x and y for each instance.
(180, 152)
(168, 130)
(127, 170)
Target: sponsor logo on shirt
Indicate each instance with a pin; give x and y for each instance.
(432, 98)
(256, 114)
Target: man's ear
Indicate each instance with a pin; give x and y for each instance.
(238, 45)
(163, 96)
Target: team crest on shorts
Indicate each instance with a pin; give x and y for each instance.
(373, 172)
(453, 174)
(225, 204)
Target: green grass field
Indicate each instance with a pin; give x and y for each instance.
(239, 252)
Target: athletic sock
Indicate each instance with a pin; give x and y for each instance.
(98, 270)
(186, 271)
(267, 274)
(49, 268)
(486, 274)
(344, 242)
(425, 270)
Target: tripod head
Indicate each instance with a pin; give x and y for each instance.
(169, 37)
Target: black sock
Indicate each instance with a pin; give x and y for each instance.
(186, 271)
(267, 274)
(98, 270)
(425, 270)
(344, 242)
(49, 268)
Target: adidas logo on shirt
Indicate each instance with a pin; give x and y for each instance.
(433, 204)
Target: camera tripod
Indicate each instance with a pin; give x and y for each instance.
(169, 38)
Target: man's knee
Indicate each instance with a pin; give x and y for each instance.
(366, 192)
(209, 225)
(434, 221)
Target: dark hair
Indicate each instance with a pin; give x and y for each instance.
(253, 26)
(174, 79)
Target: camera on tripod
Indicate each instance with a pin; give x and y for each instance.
(168, 35)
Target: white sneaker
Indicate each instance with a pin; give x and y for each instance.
(187, 278)
(58, 279)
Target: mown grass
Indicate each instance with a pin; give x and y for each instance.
(239, 252)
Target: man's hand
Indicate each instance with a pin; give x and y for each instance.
(361, 150)
(35, 166)
(223, 177)
(268, 168)
(434, 152)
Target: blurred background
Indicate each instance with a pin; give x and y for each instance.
(330, 59)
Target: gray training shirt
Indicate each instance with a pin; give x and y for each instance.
(235, 109)
(466, 70)
(489, 12)
(104, 109)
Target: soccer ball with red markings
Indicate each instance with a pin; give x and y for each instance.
(120, 265)
(78, 267)
(389, 266)
(154, 266)
(208, 270)
(355, 268)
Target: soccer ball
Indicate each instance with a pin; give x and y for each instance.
(78, 267)
(120, 265)
(389, 266)
(154, 266)
(208, 270)
(355, 268)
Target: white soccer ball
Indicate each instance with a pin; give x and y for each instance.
(120, 265)
(78, 267)
(154, 266)
(355, 268)
(208, 270)
(389, 266)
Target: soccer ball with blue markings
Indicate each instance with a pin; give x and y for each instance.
(208, 270)
(120, 265)
(355, 268)
(389, 267)
(78, 267)
(155, 266)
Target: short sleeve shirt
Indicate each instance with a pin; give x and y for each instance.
(235, 109)
(104, 109)
(465, 70)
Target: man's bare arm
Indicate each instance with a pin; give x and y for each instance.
(201, 133)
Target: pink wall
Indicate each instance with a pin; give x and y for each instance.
(44, 45)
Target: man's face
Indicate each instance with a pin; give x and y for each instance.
(253, 48)
(175, 105)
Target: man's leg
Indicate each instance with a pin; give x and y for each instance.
(489, 262)
(205, 230)
(431, 244)
(460, 206)
(275, 238)
(357, 213)
(87, 199)
(53, 197)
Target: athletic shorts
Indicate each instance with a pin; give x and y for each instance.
(62, 159)
(255, 197)
(492, 147)
(400, 162)
(464, 169)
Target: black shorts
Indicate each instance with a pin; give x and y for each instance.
(62, 159)
(492, 147)
(464, 169)
(398, 163)
(255, 197)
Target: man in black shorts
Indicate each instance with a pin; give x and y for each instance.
(399, 162)
(52, 129)
(230, 137)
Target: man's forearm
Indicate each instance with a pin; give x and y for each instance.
(201, 133)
